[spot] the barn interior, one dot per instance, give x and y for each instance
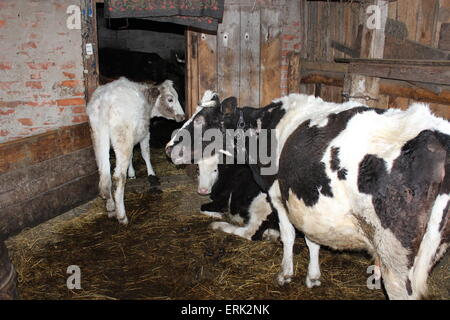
(51, 217)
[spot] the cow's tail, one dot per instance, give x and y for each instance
(101, 140)
(431, 248)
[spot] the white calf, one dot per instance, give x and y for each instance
(119, 114)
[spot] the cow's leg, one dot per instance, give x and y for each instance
(145, 152)
(313, 276)
(131, 172)
(100, 137)
(287, 235)
(123, 148)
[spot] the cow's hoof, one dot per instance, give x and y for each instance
(216, 215)
(110, 207)
(211, 207)
(123, 221)
(154, 181)
(311, 283)
(131, 177)
(111, 214)
(282, 279)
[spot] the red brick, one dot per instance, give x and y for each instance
(289, 37)
(80, 119)
(6, 85)
(5, 65)
(28, 45)
(6, 112)
(34, 84)
(10, 104)
(71, 102)
(69, 75)
(40, 66)
(26, 121)
(70, 83)
(35, 76)
(4, 133)
(69, 65)
(79, 109)
(2, 23)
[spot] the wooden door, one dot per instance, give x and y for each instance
(242, 59)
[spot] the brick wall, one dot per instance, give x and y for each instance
(41, 68)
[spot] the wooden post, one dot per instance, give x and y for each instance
(89, 37)
(294, 75)
(192, 83)
(362, 88)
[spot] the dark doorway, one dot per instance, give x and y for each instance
(144, 51)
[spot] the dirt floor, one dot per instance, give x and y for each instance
(168, 252)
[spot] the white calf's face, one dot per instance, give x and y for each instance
(208, 174)
(167, 104)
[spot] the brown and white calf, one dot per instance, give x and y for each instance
(349, 177)
(119, 114)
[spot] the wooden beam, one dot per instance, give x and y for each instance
(387, 87)
(395, 61)
(428, 74)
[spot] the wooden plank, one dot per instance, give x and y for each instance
(27, 151)
(89, 35)
(250, 59)
(26, 183)
(192, 74)
(444, 37)
(47, 205)
(270, 55)
(228, 41)
(427, 21)
(407, 49)
(413, 62)
(294, 75)
(324, 66)
(207, 53)
(428, 74)
(359, 87)
(387, 87)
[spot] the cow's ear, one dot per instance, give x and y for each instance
(228, 105)
(152, 93)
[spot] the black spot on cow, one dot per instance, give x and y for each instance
(408, 287)
(404, 197)
(342, 174)
(335, 164)
(301, 169)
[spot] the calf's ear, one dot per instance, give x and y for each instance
(152, 93)
(228, 105)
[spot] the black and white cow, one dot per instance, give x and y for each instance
(232, 189)
(350, 177)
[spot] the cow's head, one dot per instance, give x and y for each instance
(185, 145)
(208, 173)
(165, 101)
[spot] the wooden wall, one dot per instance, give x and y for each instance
(426, 22)
(244, 58)
(45, 175)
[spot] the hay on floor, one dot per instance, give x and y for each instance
(168, 252)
